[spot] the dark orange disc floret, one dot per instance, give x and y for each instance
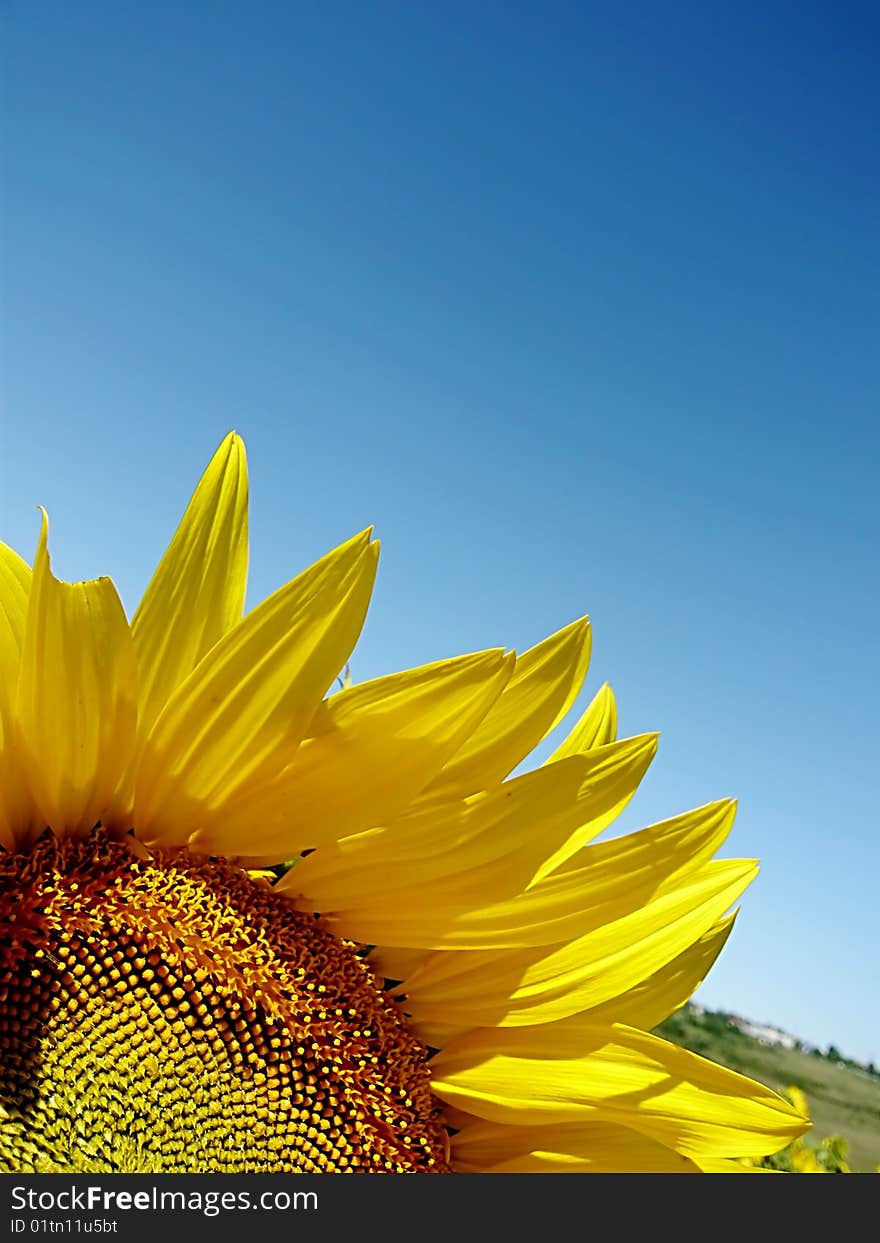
(171, 1014)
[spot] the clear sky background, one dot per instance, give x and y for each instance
(577, 303)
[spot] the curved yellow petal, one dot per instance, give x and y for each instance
(596, 728)
(573, 1148)
(542, 688)
(572, 1072)
(16, 810)
(76, 703)
(527, 987)
(453, 842)
(371, 749)
(655, 998)
(486, 847)
(618, 768)
(568, 860)
(196, 594)
(460, 911)
(236, 720)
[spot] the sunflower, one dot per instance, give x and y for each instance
(250, 926)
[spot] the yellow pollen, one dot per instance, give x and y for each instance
(174, 1015)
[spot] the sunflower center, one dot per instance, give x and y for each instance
(173, 1015)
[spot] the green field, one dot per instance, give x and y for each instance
(843, 1100)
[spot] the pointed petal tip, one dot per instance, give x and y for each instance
(231, 444)
(724, 804)
(579, 623)
(362, 544)
(745, 864)
(498, 658)
(42, 552)
(492, 658)
(230, 459)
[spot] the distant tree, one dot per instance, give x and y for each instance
(833, 1053)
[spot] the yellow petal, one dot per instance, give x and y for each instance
(542, 688)
(76, 697)
(596, 728)
(568, 860)
(522, 988)
(650, 1002)
(197, 592)
(16, 810)
(372, 749)
(616, 767)
(574, 1148)
(15, 586)
(236, 721)
(571, 1072)
(395, 964)
(459, 911)
(490, 845)
(459, 840)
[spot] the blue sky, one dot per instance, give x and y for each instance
(576, 303)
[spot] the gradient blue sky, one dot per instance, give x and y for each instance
(576, 303)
